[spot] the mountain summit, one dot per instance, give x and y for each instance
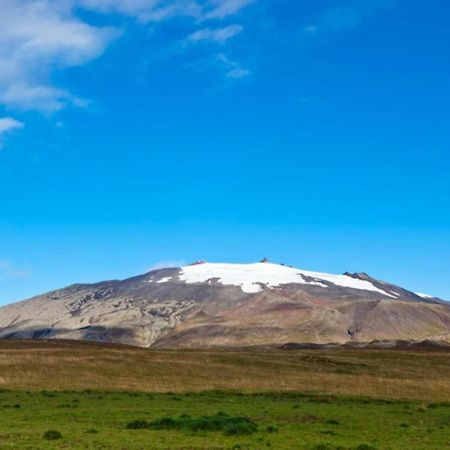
(218, 304)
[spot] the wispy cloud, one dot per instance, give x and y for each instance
(218, 35)
(145, 10)
(8, 270)
(7, 125)
(157, 10)
(167, 264)
(36, 38)
(219, 9)
(39, 37)
(233, 68)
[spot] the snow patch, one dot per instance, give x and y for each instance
(251, 277)
(420, 294)
(164, 280)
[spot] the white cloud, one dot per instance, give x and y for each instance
(238, 72)
(155, 10)
(144, 10)
(167, 264)
(9, 124)
(219, 9)
(42, 98)
(218, 35)
(38, 37)
(233, 68)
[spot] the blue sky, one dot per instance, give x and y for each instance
(142, 133)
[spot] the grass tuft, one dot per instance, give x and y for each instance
(332, 422)
(52, 435)
(137, 425)
(219, 422)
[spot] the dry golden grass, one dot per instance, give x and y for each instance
(57, 365)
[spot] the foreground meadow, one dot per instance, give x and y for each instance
(217, 420)
(64, 395)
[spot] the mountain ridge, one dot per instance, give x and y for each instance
(222, 304)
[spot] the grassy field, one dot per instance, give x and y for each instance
(62, 395)
(98, 420)
(373, 373)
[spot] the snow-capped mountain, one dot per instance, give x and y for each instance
(211, 304)
(252, 278)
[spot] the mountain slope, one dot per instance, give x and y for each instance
(206, 304)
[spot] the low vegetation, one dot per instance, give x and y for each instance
(52, 435)
(85, 396)
(52, 365)
(219, 420)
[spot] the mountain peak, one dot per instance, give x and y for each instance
(197, 263)
(223, 304)
(252, 278)
(360, 276)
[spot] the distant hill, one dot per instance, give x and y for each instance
(231, 305)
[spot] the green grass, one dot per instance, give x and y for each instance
(218, 420)
(74, 395)
(52, 435)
